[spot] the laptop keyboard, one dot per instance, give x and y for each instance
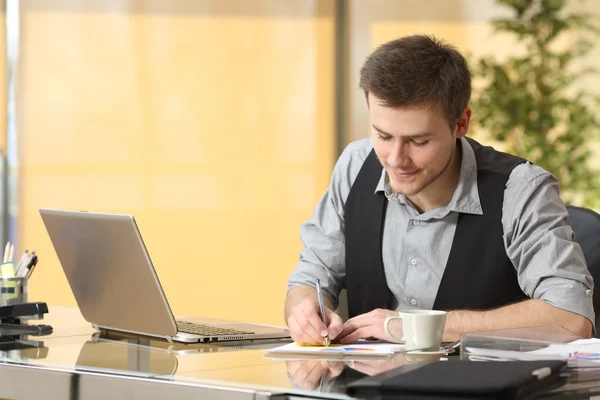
(207, 330)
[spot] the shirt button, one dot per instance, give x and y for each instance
(415, 222)
(588, 292)
(414, 302)
(414, 261)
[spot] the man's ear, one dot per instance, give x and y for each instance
(462, 125)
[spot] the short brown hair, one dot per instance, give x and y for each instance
(418, 70)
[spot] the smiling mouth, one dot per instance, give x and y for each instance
(404, 175)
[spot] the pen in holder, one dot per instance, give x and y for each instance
(13, 290)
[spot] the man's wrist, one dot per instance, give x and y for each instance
(456, 321)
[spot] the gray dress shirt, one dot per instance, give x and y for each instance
(416, 247)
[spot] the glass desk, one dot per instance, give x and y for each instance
(77, 362)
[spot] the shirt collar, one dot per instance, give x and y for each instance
(466, 195)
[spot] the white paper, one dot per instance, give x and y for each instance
(362, 348)
(583, 353)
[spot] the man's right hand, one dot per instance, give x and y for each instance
(306, 326)
(307, 374)
(373, 367)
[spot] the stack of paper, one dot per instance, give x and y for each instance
(584, 353)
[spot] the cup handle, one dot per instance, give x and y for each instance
(386, 327)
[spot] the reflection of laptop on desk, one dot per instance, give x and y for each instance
(116, 357)
(115, 284)
(186, 349)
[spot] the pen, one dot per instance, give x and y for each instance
(22, 264)
(322, 381)
(6, 250)
(322, 309)
(32, 264)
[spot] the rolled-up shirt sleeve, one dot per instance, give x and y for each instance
(549, 263)
(323, 255)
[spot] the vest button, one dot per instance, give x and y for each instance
(385, 304)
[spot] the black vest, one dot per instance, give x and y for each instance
(478, 274)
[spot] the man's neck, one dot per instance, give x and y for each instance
(440, 191)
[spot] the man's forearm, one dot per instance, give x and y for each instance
(299, 293)
(519, 315)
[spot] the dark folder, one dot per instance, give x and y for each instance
(463, 380)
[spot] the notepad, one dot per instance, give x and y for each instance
(363, 348)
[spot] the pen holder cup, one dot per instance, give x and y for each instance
(13, 290)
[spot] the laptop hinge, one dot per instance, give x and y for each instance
(106, 329)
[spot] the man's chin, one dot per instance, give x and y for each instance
(407, 189)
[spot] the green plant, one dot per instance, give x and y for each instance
(531, 102)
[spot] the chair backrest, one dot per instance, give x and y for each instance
(586, 225)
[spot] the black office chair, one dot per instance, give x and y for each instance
(586, 225)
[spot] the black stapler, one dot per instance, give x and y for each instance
(10, 319)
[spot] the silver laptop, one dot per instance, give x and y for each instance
(115, 284)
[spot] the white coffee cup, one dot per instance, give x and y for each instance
(421, 329)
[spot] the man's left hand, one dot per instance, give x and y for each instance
(369, 325)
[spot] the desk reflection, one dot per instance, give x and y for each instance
(20, 348)
(333, 375)
(130, 354)
(125, 358)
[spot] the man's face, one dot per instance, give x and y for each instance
(415, 145)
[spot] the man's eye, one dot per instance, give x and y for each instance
(381, 137)
(420, 144)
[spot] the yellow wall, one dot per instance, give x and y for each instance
(211, 121)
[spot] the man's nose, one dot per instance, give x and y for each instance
(399, 156)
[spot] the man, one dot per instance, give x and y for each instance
(419, 216)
